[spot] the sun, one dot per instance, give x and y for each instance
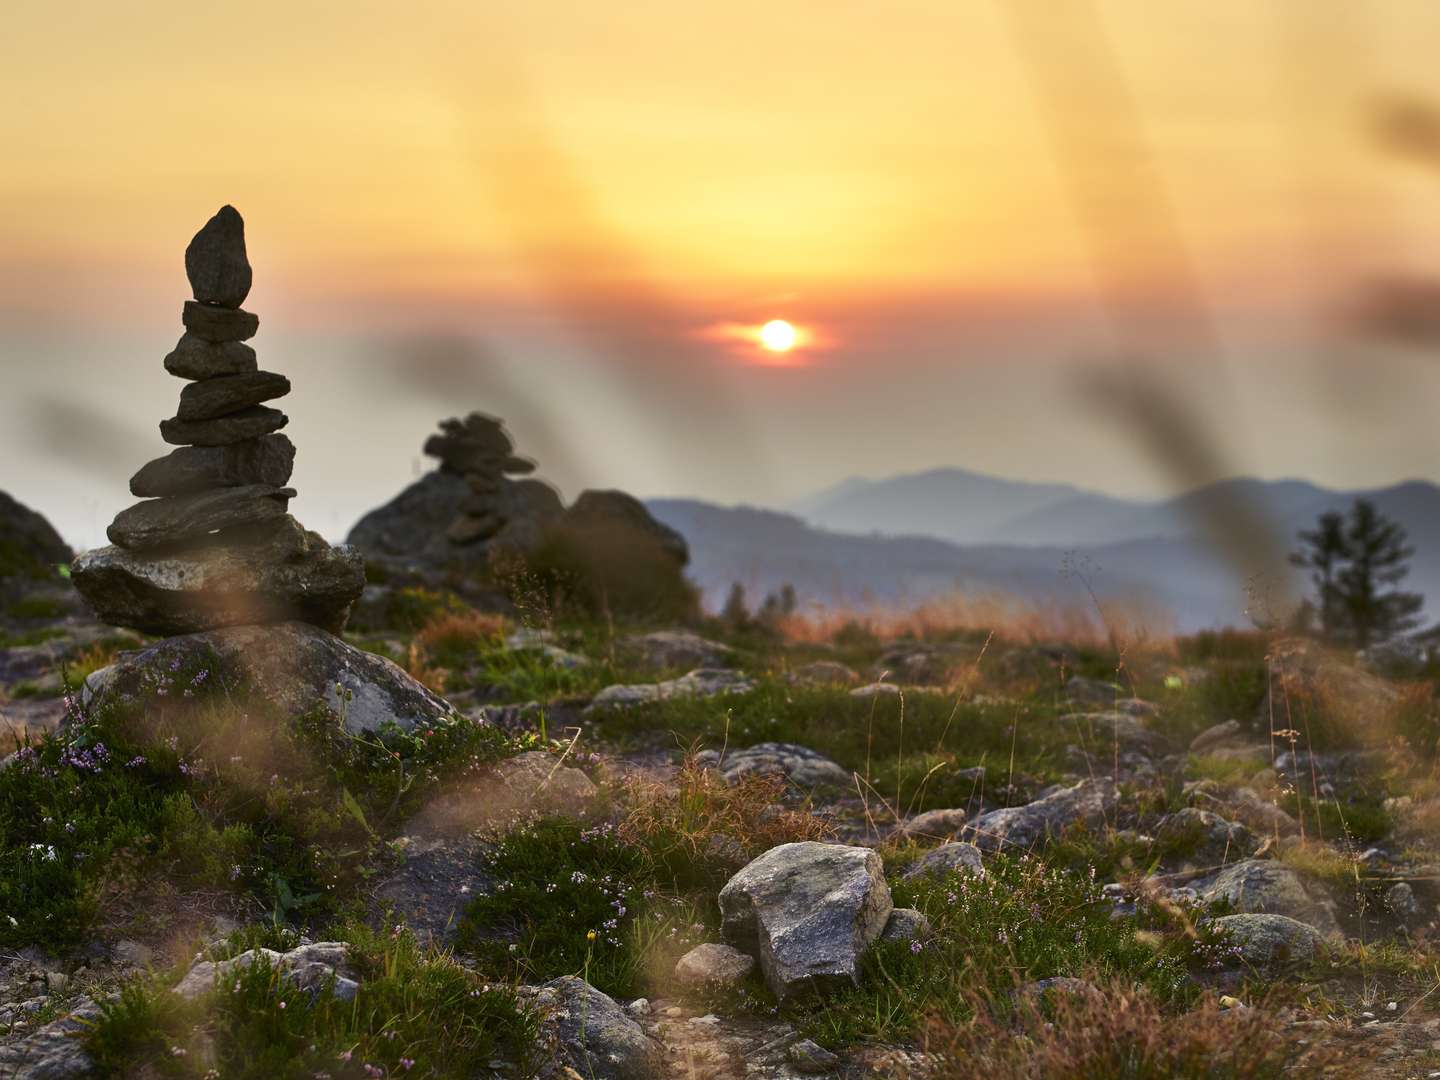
(777, 335)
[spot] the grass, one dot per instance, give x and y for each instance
(908, 752)
(416, 1011)
(195, 788)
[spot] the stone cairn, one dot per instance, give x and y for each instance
(211, 544)
(478, 449)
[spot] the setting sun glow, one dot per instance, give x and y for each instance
(777, 335)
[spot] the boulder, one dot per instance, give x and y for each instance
(312, 968)
(947, 857)
(267, 460)
(823, 673)
(293, 667)
(287, 574)
(933, 825)
(705, 682)
(671, 650)
(215, 260)
(218, 325)
(906, 924)
(55, 1051)
(1271, 941)
(1020, 828)
(807, 911)
(800, 765)
(595, 1035)
(181, 519)
(29, 546)
(248, 423)
(195, 358)
(713, 967)
(609, 510)
(1260, 886)
(209, 398)
(1204, 835)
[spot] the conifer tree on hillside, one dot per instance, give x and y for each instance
(1356, 564)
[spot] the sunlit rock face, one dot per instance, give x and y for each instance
(211, 544)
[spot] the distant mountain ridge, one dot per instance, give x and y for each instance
(1017, 538)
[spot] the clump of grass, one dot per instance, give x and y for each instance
(698, 830)
(1025, 919)
(1128, 1033)
(416, 1010)
(197, 787)
(572, 900)
(452, 638)
(412, 607)
(35, 607)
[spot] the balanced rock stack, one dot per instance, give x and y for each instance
(478, 449)
(211, 544)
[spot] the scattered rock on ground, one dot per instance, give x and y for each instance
(803, 767)
(703, 682)
(595, 1035)
(807, 911)
(670, 650)
(713, 967)
(1269, 941)
(1020, 828)
(1261, 886)
(941, 860)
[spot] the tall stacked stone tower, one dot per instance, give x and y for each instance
(211, 543)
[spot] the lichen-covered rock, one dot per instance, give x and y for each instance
(906, 924)
(944, 824)
(1020, 828)
(941, 860)
(807, 911)
(803, 767)
(55, 1051)
(288, 573)
(293, 667)
(1270, 941)
(595, 1035)
(670, 650)
(1204, 836)
(1261, 886)
(314, 968)
(704, 682)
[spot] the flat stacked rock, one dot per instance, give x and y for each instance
(211, 544)
(478, 449)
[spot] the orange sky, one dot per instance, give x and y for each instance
(583, 188)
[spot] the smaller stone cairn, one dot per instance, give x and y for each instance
(211, 544)
(478, 449)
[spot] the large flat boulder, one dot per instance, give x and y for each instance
(287, 573)
(807, 911)
(293, 666)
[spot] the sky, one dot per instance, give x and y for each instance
(1117, 244)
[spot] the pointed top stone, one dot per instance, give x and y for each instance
(215, 261)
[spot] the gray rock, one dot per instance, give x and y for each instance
(1094, 691)
(55, 1051)
(872, 691)
(267, 460)
(437, 880)
(210, 398)
(810, 1058)
(1019, 828)
(215, 260)
(933, 825)
(945, 858)
(542, 782)
(1245, 805)
(713, 967)
(236, 427)
(286, 574)
(1218, 735)
(218, 325)
(30, 548)
(1259, 886)
(1204, 835)
(310, 967)
(1271, 941)
(181, 519)
(800, 765)
(596, 1036)
(1404, 905)
(292, 667)
(195, 358)
(824, 673)
(906, 924)
(618, 513)
(705, 682)
(669, 650)
(807, 911)
(1103, 732)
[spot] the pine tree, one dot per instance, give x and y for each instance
(1323, 554)
(1379, 560)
